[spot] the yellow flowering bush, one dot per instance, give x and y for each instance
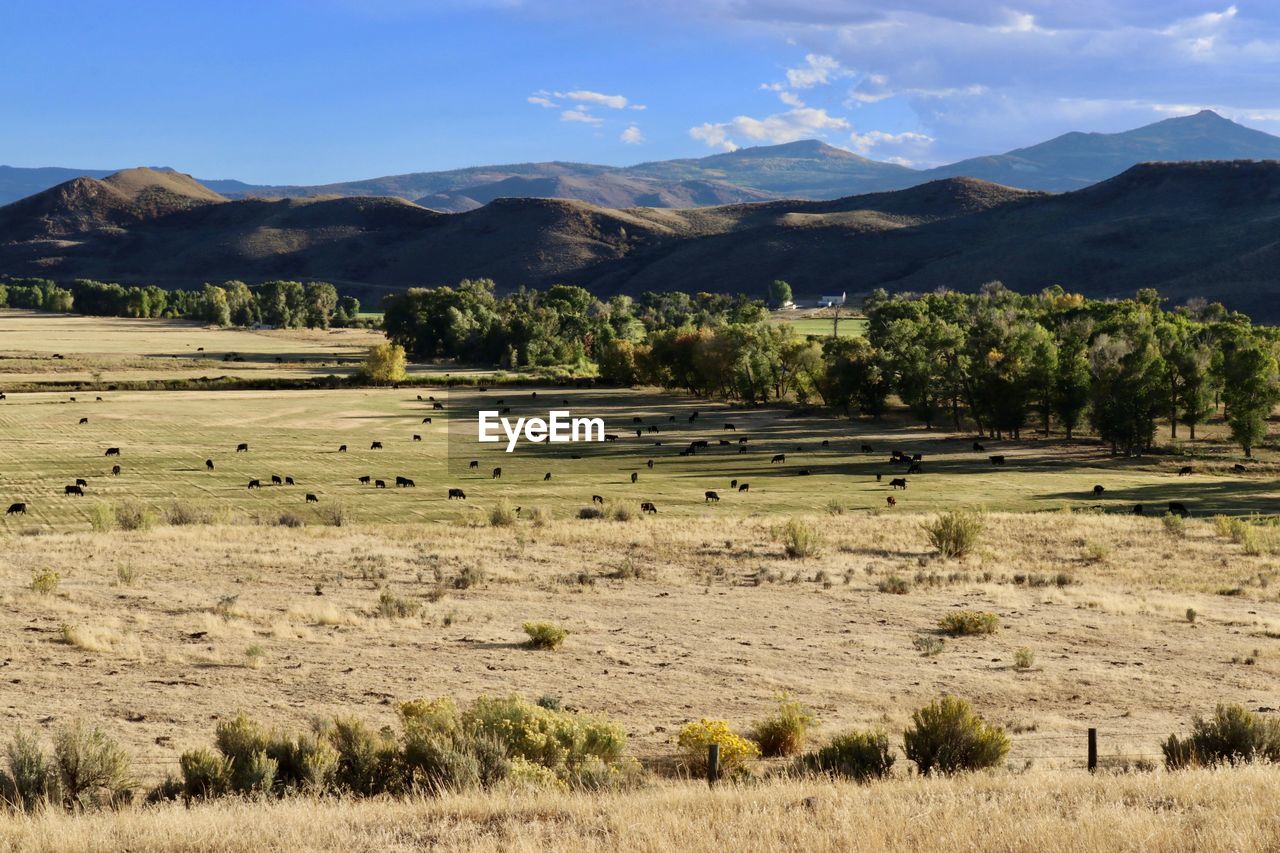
(734, 749)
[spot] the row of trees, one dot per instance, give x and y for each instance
(283, 304)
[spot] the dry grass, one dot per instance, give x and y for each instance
(1203, 810)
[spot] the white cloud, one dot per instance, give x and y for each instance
(539, 100)
(791, 99)
(582, 116)
(584, 96)
(632, 136)
(864, 142)
(817, 70)
(801, 123)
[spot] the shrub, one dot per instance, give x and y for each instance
(538, 516)
(894, 585)
(368, 760)
(30, 780)
(205, 774)
(858, 755)
(623, 511)
(947, 736)
(102, 517)
(179, 514)
(254, 656)
(1231, 736)
(550, 701)
(503, 514)
(306, 762)
(927, 645)
(799, 539)
(955, 533)
(290, 519)
(964, 623)
(126, 575)
(92, 768)
(590, 512)
(132, 515)
(1024, 658)
(1191, 615)
(45, 582)
(393, 606)
(783, 732)
(835, 507)
(1173, 524)
(545, 635)
(694, 739)
(334, 514)
(469, 576)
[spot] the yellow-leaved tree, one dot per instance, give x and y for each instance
(384, 363)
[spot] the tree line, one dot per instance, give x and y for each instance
(995, 361)
(282, 304)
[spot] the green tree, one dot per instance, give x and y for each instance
(1250, 389)
(779, 293)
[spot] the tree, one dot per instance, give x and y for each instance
(779, 293)
(384, 364)
(1126, 392)
(215, 308)
(321, 302)
(1250, 389)
(1071, 383)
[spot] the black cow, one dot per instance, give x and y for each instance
(653, 429)
(17, 509)
(342, 448)
(639, 433)
(1137, 509)
(312, 499)
(898, 483)
(637, 420)
(878, 477)
(634, 476)
(115, 470)
(84, 420)
(255, 484)
(891, 501)
(73, 490)
(1097, 491)
(803, 472)
(745, 487)
(699, 443)
(437, 405)
(82, 482)
(417, 438)
(781, 457)
(364, 481)
(377, 445)
(650, 464)
(997, 460)
(1176, 508)
(866, 448)
(915, 468)
(1185, 471)
(608, 436)
(288, 481)
(647, 506)
(404, 482)
(724, 443)
(733, 484)
(112, 451)
(977, 447)
(426, 420)
(730, 427)
(710, 497)
(208, 464)
(496, 475)
(242, 448)
(276, 481)
(596, 499)
(379, 484)
(826, 443)
(475, 463)
(742, 441)
(1238, 468)
(546, 476)
(457, 493)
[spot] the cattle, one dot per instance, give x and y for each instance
(3, 396)
(898, 483)
(402, 481)
(437, 405)
(379, 484)
(242, 448)
(639, 433)
(866, 448)
(596, 499)
(826, 443)
(879, 477)
(742, 441)
(546, 476)
(208, 464)
(84, 420)
(799, 449)
(1176, 508)
(730, 428)
(1098, 490)
(745, 487)
(342, 448)
(112, 451)
(496, 475)
(98, 399)
(637, 420)
(312, 499)
(288, 481)
(781, 457)
(1238, 468)
(917, 457)
(634, 476)
(255, 484)
(650, 464)
(17, 509)
(433, 399)
(73, 490)
(364, 481)
(742, 450)
(671, 419)
(1137, 509)
(895, 455)
(426, 420)
(997, 460)
(276, 480)
(608, 436)
(419, 398)
(475, 463)
(699, 443)
(82, 482)
(457, 494)
(977, 447)
(115, 470)
(915, 468)
(891, 501)
(377, 445)
(417, 438)
(694, 417)
(733, 484)
(73, 399)
(803, 472)
(647, 506)
(506, 410)
(724, 443)
(653, 429)
(710, 497)
(1185, 471)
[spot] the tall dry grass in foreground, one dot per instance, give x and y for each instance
(1202, 810)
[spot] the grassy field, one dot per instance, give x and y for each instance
(820, 324)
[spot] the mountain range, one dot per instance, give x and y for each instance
(798, 170)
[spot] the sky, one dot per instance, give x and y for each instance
(316, 91)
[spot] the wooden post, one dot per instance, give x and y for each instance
(713, 763)
(1093, 750)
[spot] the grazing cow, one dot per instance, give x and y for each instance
(799, 449)
(426, 420)
(3, 396)
(84, 420)
(242, 448)
(1185, 471)
(977, 447)
(671, 419)
(745, 487)
(650, 464)
(73, 490)
(112, 451)
(878, 477)
(419, 398)
(917, 457)
(364, 481)
(866, 448)
(781, 457)
(546, 476)
(208, 464)
(115, 470)
(1238, 468)
(255, 484)
(742, 450)
(1137, 509)
(379, 484)
(377, 445)
(409, 484)
(82, 482)
(437, 405)
(458, 494)
(73, 399)
(699, 443)
(653, 429)
(496, 475)
(634, 476)
(98, 399)
(710, 497)
(639, 433)
(608, 436)
(803, 472)
(730, 428)
(742, 441)
(637, 420)
(575, 456)
(17, 509)
(276, 481)
(1176, 508)
(898, 483)
(433, 399)
(997, 460)
(915, 468)
(288, 481)
(891, 501)
(342, 448)
(826, 443)
(399, 482)
(475, 463)
(724, 443)
(596, 499)
(733, 484)
(312, 499)
(647, 506)
(1097, 491)
(417, 437)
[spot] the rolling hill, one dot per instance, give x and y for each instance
(1190, 229)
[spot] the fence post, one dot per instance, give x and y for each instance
(713, 763)
(1093, 750)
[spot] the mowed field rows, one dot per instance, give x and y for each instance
(165, 437)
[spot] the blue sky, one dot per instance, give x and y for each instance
(287, 91)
